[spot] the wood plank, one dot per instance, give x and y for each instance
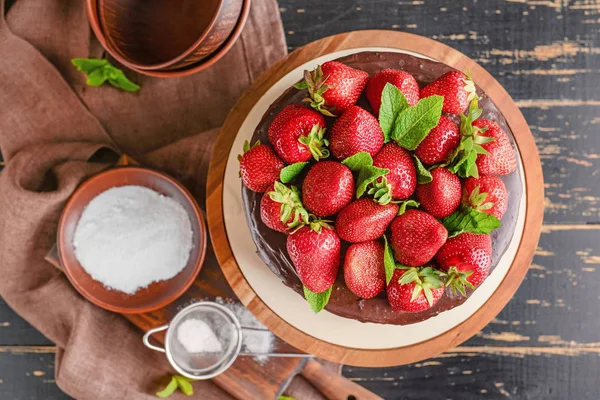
(14, 330)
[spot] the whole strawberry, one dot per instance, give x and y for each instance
(455, 87)
(487, 194)
(401, 79)
(440, 197)
(354, 131)
(416, 237)
(327, 188)
(315, 252)
(333, 87)
(297, 134)
(501, 158)
(466, 258)
(439, 143)
(402, 176)
(364, 272)
(415, 289)
(259, 166)
(364, 220)
(281, 208)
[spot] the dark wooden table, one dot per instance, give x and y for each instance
(546, 343)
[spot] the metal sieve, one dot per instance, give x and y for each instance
(205, 365)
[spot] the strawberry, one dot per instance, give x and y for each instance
(297, 134)
(364, 220)
(439, 143)
(333, 87)
(466, 258)
(416, 237)
(402, 176)
(487, 194)
(415, 289)
(315, 252)
(327, 188)
(281, 208)
(456, 88)
(364, 272)
(440, 197)
(501, 158)
(259, 166)
(401, 79)
(354, 131)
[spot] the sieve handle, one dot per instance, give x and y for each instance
(151, 332)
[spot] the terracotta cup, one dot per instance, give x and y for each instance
(157, 294)
(166, 35)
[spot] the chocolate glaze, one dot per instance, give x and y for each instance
(271, 245)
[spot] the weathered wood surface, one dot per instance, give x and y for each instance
(544, 344)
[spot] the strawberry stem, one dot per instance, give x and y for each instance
(291, 203)
(425, 278)
(457, 281)
(381, 191)
(314, 82)
(316, 142)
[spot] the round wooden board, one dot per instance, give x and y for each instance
(533, 216)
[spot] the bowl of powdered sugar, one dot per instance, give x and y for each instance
(131, 239)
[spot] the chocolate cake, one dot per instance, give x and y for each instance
(271, 245)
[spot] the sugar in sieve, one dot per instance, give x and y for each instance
(220, 337)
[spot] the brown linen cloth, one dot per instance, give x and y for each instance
(54, 130)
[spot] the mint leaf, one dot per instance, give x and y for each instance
(393, 103)
(290, 172)
(169, 389)
(99, 71)
(405, 204)
(358, 161)
(317, 301)
(467, 219)
(414, 123)
(423, 174)
(388, 261)
(285, 398)
(368, 175)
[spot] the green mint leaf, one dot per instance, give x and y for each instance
(184, 385)
(405, 204)
(423, 174)
(290, 172)
(388, 261)
(358, 161)
(285, 398)
(368, 175)
(414, 123)
(467, 219)
(317, 301)
(169, 389)
(393, 103)
(99, 71)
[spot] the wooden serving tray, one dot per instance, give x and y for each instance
(533, 189)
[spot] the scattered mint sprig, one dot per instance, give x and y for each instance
(290, 172)
(99, 71)
(393, 103)
(358, 161)
(317, 301)
(467, 219)
(177, 381)
(414, 123)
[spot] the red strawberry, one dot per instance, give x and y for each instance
(315, 252)
(364, 220)
(402, 175)
(401, 79)
(364, 272)
(281, 208)
(501, 158)
(297, 133)
(414, 289)
(327, 188)
(354, 131)
(333, 87)
(259, 166)
(487, 194)
(466, 258)
(416, 237)
(456, 89)
(440, 197)
(439, 143)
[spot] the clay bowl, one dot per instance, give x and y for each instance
(165, 35)
(157, 294)
(92, 12)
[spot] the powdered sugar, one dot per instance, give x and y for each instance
(196, 336)
(131, 236)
